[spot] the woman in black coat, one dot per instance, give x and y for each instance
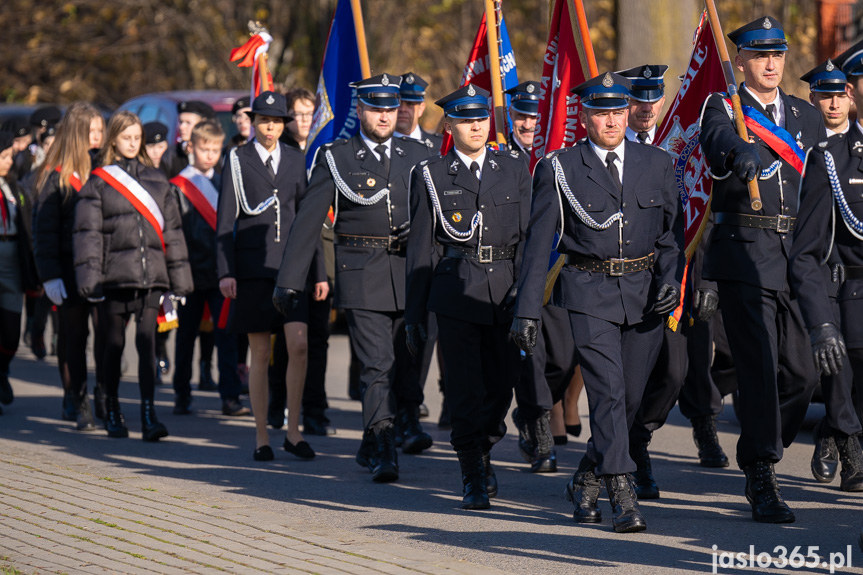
(129, 250)
(66, 169)
(17, 272)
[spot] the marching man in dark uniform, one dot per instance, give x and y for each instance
(748, 256)
(827, 93)
(474, 202)
(621, 231)
(412, 93)
(826, 258)
(365, 179)
(523, 110)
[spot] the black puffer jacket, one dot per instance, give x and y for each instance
(115, 247)
(53, 224)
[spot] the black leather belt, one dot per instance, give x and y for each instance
(13, 238)
(486, 255)
(854, 272)
(376, 242)
(613, 267)
(780, 224)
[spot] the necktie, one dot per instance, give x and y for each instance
(270, 167)
(612, 170)
(474, 168)
(642, 137)
(771, 112)
(385, 160)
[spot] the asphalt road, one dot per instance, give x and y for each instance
(529, 528)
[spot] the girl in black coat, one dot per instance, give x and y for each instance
(66, 169)
(129, 250)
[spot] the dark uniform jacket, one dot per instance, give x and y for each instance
(652, 219)
(53, 226)
(513, 145)
(200, 240)
(23, 221)
(116, 247)
(755, 256)
(466, 289)
(432, 141)
(246, 246)
(819, 216)
(369, 278)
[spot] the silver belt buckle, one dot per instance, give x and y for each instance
(783, 224)
(484, 255)
(616, 267)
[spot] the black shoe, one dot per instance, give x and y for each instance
(851, 456)
(414, 438)
(762, 492)
(205, 382)
(526, 440)
(560, 440)
(83, 416)
(233, 408)
(443, 421)
(99, 401)
(317, 425)
(6, 394)
(151, 428)
(626, 517)
(115, 423)
(38, 347)
(70, 406)
(275, 415)
(573, 430)
(490, 477)
(302, 450)
(645, 485)
(424, 411)
(583, 491)
(475, 492)
(182, 405)
(264, 453)
(825, 459)
(386, 466)
(544, 458)
(710, 453)
(366, 456)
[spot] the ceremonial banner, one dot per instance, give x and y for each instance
(477, 71)
(248, 56)
(335, 101)
(568, 62)
(678, 135)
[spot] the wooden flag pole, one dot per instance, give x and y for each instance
(264, 73)
(360, 29)
(584, 32)
(494, 64)
(728, 72)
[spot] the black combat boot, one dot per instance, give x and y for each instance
(490, 477)
(205, 381)
(583, 491)
(710, 453)
(645, 485)
(70, 406)
(366, 453)
(399, 427)
(386, 465)
(115, 423)
(851, 476)
(526, 439)
(83, 415)
(151, 428)
(544, 458)
(414, 438)
(99, 401)
(626, 517)
(762, 492)
(473, 479)
(825, 459)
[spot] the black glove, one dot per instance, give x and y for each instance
(747, 163)
(704, 303)
(523, 332)
(401, 234)
(509, 299)
(667, 299)
(286, 300)
(837, 273)
(416, 335)
(828, 348)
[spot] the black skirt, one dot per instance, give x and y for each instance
(253, 310)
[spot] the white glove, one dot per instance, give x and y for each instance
(176, 300)
(95, 299)
(55, 290)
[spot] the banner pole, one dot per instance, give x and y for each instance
(360, 29)
(494, 64)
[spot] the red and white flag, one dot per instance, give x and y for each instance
(678, 135)
(247, 56)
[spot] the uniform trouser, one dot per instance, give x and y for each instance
(189, 317)
(775, 371)
(480, 370)
(547, 372)
(615, 361)
(855, 356)
(426, 353)
(837, 392)
(722, 371)
(73, 320)
(699, 396)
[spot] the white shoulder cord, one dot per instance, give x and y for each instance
(437, 213)
(854, 225)
(242, 202)
(576, 206)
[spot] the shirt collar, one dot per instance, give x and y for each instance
(264, 154)
(777, 101)
(212, 171)
(371, 144)
(632, 135)
(467, 161)
(602, 152)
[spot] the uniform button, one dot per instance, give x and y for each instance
(455, 203)
(625, 222)
(485, 228)
(624, 204)
(588, 205)
(507, 197)
(482, 206)
(651, 201)
(785, 182)
(628, 242)
(491, 269)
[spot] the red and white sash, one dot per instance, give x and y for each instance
(74, 179)
(140, 198)
(200, 191)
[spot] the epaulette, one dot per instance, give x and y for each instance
(424, 163)
(339, 142)
(554, 153)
